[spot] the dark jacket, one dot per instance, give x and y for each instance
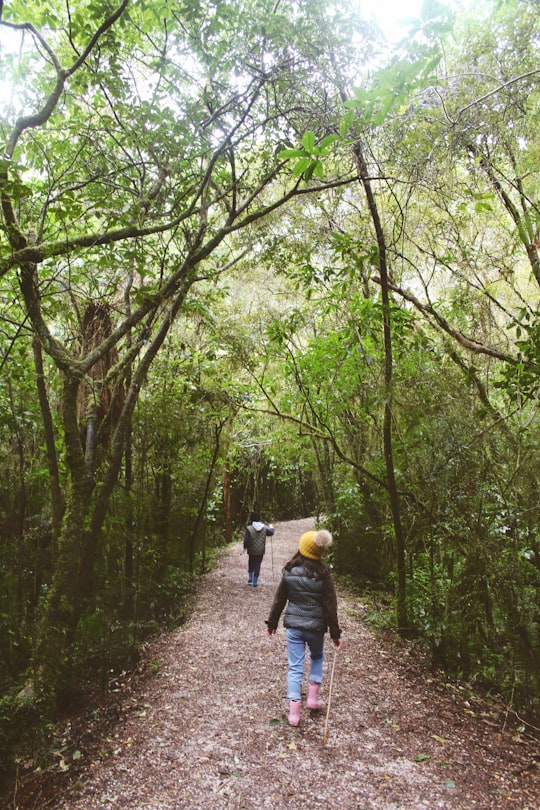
(311, 600)
(255, 538)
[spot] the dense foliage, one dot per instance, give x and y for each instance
(241, 266)
(445, 219)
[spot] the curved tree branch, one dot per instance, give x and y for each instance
(17, 240)
(62, 74)
(467, 343)
(496, 90)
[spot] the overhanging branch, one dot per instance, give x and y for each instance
(431, 313)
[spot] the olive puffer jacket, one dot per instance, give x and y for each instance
(311, 602)
(255, 538)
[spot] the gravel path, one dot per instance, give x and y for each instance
(206, 727)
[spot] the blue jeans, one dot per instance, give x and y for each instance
(296, 653)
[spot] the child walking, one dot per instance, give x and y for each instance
(308, 590)
(255, 544)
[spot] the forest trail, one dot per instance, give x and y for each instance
(206, 729)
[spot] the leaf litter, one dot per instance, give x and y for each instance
(201, 723)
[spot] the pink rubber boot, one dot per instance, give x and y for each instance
(294, 712)
(313, 701)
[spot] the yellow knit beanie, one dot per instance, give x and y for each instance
(313, 544)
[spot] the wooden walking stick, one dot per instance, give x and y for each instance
(325, 733)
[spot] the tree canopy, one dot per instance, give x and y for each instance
(249, 255)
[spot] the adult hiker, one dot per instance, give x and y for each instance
(308, 590)
(255, 544)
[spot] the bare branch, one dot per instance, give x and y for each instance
(496, 90)
(467, 343)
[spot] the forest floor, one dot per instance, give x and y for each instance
(201, 724)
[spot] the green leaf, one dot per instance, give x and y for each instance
(301, 166)
(318, 170)
(287, 154)
(482, 206)
(385, 109)
(347, 122)
(308, 174)
(308, 141)
(329, 140)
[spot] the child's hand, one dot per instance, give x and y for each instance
(270, 632)
(338, 644)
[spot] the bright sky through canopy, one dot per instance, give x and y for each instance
(393, 16)
(390, 14)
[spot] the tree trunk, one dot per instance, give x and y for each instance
(59, 618)
(401, 592)
(57, 503)
(204, 501)
(129, 594)
(86, 511)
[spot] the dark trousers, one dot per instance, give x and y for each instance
(254, 564)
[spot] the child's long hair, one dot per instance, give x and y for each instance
(314, 568)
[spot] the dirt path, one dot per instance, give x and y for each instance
(207, 728)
